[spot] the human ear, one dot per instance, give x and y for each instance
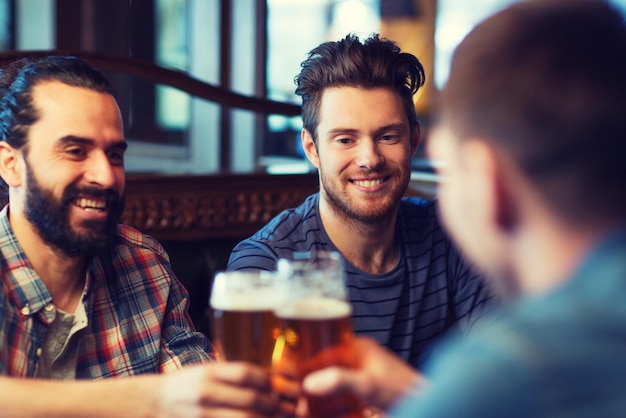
(309, 147)
(506, 216)
(10, 165)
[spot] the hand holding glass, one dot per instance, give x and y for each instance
(315, 328)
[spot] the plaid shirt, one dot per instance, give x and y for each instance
(136, 310)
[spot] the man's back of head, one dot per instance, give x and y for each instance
(544, 81)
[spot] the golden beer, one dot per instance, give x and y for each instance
(316, 333)
(244, 335)
(243, 324)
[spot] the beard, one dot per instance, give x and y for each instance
(50, 217)
(348, 210)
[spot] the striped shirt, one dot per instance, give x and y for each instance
(136, 311)
(429, 292)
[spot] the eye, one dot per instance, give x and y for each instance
(390, 138)
(76, 152)
(116, 157)
(344, 142)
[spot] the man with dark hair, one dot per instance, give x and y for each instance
(531, 135)
(82, 297)
(406, 283)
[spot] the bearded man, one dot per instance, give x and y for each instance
(93, 321)
(406, 283)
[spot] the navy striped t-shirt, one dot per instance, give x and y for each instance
(430, 291)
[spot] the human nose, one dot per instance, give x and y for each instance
(100, 171)
(369, 155)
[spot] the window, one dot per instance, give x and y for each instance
(253, 47)
(456, 18)
(6, 32)
(173, 107)
(294, 28)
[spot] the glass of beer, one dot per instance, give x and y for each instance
(315, 328)
(243, 324)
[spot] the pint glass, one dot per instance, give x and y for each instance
(315, 328)
(243, 324)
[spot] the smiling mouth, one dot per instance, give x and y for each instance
(91, 205)
(370, 182)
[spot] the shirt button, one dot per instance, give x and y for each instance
(49, 307)
(25, 310)
(39, 351)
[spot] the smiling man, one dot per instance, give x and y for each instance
(406, 283)
(82, 297)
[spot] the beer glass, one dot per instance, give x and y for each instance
(315, 328)
(243, 324)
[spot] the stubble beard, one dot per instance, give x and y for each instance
(343, 206)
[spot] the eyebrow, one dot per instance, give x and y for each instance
(71, 139)
(342, 131)
(400, 126)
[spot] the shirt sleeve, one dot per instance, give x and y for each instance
(139, 321)
(252, 254)
(161, 302)
(181, 343)
(481, 380)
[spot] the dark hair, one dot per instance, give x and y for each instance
(545, 82)
(374, 63)
(17, 80)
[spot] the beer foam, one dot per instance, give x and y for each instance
(315, 308)
(247, 290)
(252, 300)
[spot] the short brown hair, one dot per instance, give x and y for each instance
(545, 81)
(375, 62)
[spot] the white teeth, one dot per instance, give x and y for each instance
(90, 204)
(368, 183)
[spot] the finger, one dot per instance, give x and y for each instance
(233, 395)
(302, 408)
(241, 374)
(286, 386)
(335, 380)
